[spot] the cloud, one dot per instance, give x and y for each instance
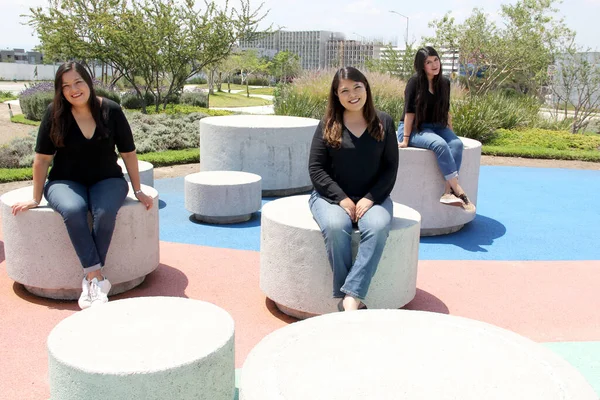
(362, 7)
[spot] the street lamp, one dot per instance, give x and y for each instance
(402, 15)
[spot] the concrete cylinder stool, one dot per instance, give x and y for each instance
(222, 197)
(274, 147)
(146, 172)
(420, 184)
(401, 354)
(295, 272)
(40, 255)
(144, 348)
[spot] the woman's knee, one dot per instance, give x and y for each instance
(456, 145)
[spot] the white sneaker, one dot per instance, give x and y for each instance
(85, 301)
(99, 291)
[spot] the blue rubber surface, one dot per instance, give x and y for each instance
(523, 214)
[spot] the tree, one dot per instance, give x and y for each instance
(397, 63)
(514, 55)
(250, 64)
(163, 42)
(576, 84)
(285, 66)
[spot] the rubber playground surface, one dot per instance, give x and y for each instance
(529, 262)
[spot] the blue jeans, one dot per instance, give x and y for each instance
(73, 200)
(336, 226)
(448, 148)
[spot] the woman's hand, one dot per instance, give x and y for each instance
(350, 208)
(402, 145)
(24, 206)
(362, 207)
(144, 199)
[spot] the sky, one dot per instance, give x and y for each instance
(357, 19)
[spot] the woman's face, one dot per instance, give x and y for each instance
(352, 94)
(432, 66)
(74, 88)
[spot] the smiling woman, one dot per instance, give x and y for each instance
(78, 135)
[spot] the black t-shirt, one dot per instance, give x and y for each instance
(361, 167)
(82, 160)
(410, 99)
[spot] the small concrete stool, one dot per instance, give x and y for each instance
(295, 272)
(144, 348)
(40, 255)
(401, 354)
(222, 197)
(275, 147)
(146, 172)
(420, 184)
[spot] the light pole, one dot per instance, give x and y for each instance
(402, 15)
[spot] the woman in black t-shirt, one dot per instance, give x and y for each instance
(353, 164)
(426, 123)
(78, 135)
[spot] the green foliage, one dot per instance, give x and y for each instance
(285, 66)
(109, 94)
(163, 42)
(172, 157)
(34, 106)
(195, 98)
(6, 95)
(196, 81)
(223, 99)
(20, 119)
(478, 117)
(175, 109)
(15, 174)
(132, 101)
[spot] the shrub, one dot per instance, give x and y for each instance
(196, 98)
(197, 81)
(132, 101)
(18, 152)
(546, 139)
(159, 132)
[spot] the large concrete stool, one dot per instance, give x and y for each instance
(295, 272)
(222, 197)
(40, 255)
(146, 172)
(144, 348)
(401, 354)
(420, 184)
(274, 147)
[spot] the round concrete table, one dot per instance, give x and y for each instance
(420, 184)
(295, 272)
(274, 147)
(40, 255)
(146, 172)
(222, 197)
(400, 354)
(144, 348)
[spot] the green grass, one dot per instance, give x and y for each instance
(15, 174)
(235, 100)
(171, 157)
(546, 144)
(6, 95)
(20, 119)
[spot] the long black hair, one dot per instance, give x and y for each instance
(440, 88)
(61, 108)
(334, 115)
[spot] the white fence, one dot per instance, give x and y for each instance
(30, 72)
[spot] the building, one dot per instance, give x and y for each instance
(20, 56)
(310, 46)
(343, 53)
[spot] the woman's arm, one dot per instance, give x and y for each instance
(131, 163)
(41, 163)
